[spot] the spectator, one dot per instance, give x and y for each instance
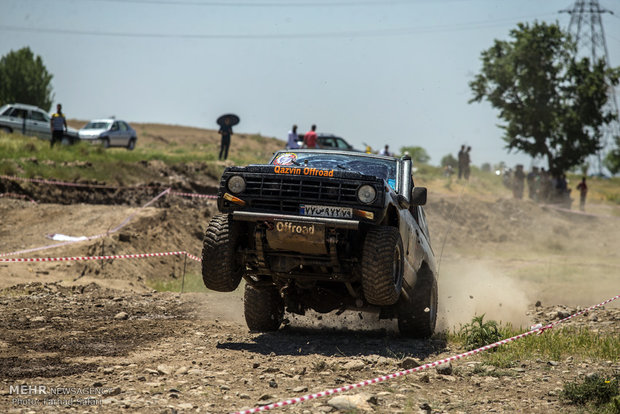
(292, 138)
(386, 151)
(58, 125)
(583, 192)
(310, 139)
(461, 159)
(518, 182)
(226, 131)
(466, 162)
(532, 181)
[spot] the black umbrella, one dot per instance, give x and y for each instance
(232, 120)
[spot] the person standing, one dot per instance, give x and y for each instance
(466, 162)
(461, 159)
(58, 126)
(386, 151)
(310, 139)
(583, 192)
(531, 182)
(292, 138)
(225, 131)
(518, 182)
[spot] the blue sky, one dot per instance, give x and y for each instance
(379, 72)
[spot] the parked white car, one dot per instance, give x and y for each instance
(110, 133)
(30, 120)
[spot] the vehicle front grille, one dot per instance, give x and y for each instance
(285, 193)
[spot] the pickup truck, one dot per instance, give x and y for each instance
(324, 230)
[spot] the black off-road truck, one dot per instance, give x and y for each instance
(324, 230)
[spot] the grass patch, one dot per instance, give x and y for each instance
(554, 344)
(33, 158)
(193, 283)
(594, 390)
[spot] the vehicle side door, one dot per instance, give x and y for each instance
(114, 134)
(124, 134)
(17, 120)
(38, 124)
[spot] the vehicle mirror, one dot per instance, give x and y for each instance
(418, 196)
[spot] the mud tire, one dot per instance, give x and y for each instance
(382, 266)
(263, 308)
(221, 270)
(417, 317)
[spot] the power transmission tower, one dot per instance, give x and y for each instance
(586, 28)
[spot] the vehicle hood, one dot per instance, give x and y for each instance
(300, 171)
(91, 133)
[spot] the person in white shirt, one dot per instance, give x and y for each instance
(386, 151)
(292, 138)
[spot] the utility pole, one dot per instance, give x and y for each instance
(586, 28)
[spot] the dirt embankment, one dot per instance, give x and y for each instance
(98, 325)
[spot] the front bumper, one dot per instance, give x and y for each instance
(330, 222)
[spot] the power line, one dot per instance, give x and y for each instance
(266, 36)
(284, 4)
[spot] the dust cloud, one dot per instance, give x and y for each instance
(468, 289)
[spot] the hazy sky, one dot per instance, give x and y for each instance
(377, 72)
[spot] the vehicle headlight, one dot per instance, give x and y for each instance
(367, 194)
(236, 184)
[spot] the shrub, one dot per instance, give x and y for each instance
(479, 333)
(594, 389)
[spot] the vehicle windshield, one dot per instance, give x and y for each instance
(98, 125)
(385, 169)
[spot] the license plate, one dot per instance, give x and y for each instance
(325, 211)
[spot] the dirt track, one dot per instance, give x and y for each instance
(98, 326)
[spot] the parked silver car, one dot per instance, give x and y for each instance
(30, 120)
(110, 133)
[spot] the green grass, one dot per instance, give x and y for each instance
(554, 344)
(33, 158)
(193, 283)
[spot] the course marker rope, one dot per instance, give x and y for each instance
(110, 187)
(97, 236)
(117, 256)
(192, 195)
(13, 195)
(538, 329)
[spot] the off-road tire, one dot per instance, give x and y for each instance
(417, 317)
(131, 144)
(221, 269)
(106, 143)
(382, 266)
(263, 308)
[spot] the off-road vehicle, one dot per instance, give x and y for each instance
(324, 230)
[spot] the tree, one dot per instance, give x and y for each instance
(24, 79)
(612, 160)
(449, 160)
(551, 104)
(417, 154)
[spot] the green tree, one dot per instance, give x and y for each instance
(612, 160)
(24, 79)
(449, 160)
(551, 104)
(417, 154)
